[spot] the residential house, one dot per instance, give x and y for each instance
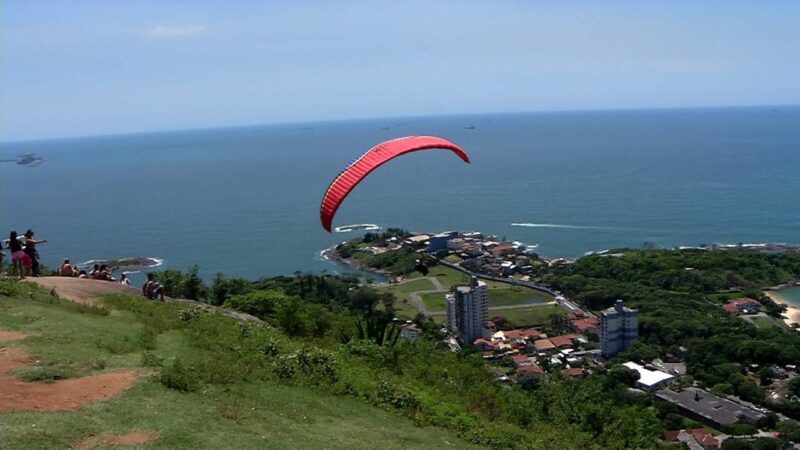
(743, 305)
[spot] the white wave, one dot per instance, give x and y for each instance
(357, 227)
(571, 227)
(156, 262)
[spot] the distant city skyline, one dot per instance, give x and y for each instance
(99, 68)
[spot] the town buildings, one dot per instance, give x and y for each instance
(649, 380)
(619, 328)
(703, 406)
(467, 311)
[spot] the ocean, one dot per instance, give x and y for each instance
(245, 201)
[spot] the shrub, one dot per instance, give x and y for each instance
(150, 359)
(179, 377)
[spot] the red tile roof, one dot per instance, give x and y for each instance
(531, 333)
(533, 369)
(574, 372)
(563, 341)
(513, 334)
(703, 438)
(730, 308)
(498, 250)
(521, 360)
(583, 325)
(671, 436)
(544, 344)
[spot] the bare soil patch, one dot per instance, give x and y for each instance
(11, 336)
(63, 395)
(133, 438)
(80, 290)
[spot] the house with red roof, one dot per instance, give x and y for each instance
(544, 345)
(590, 325)
(532, 334)
(743, 305)
(530, 370)
(483, 345)
(697, 438)
(574, 372)
(498, 250)
(521, 360)
(565, 341)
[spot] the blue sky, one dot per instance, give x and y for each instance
(83, 68)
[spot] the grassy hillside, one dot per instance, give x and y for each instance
(247, 409)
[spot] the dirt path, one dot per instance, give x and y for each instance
(82, 290)
(65, 395)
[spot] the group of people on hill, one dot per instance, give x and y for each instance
(151, 289)
(98, 272)
(23, 252)
(25, 262)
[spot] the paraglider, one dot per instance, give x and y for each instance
(371, 160)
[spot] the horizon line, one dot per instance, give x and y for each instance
(361, 118)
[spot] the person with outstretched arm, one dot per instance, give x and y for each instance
(33, 254)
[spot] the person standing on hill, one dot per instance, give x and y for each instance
(17, 255)
(30, 250)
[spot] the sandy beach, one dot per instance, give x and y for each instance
(792, 314)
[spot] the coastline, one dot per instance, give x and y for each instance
(330, 254)
(792, 314)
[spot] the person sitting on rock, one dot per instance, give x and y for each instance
(105, 274)
(66, 269)
(152, 289)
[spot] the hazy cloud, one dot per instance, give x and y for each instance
(175, 30)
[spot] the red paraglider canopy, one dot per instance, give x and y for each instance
(371, 160)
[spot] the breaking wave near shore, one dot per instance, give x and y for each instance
(570, 227)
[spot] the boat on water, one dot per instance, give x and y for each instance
(357, 227)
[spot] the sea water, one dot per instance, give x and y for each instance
(245, 201)
(789, 295)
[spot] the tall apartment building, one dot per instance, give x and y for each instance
(619, 328)
(467, 311)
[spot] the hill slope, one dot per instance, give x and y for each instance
(69, 344)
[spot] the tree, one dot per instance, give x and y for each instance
(765, 375)
(260, 303)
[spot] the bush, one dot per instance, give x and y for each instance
(257, 303)
(45, 373)
(179, 377)
(741, 429)
(150, 359)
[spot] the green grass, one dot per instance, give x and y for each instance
(434, 301)
(517, 296)
(401, 291)
(447, 276)
(132, 333)
(534, 315)
(252, 415)
(766, 322)
(405, 309)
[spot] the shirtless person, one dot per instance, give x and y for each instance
(152, 289)
(66, 269)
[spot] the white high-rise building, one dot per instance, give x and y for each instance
(467, 311)
(619, 328)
